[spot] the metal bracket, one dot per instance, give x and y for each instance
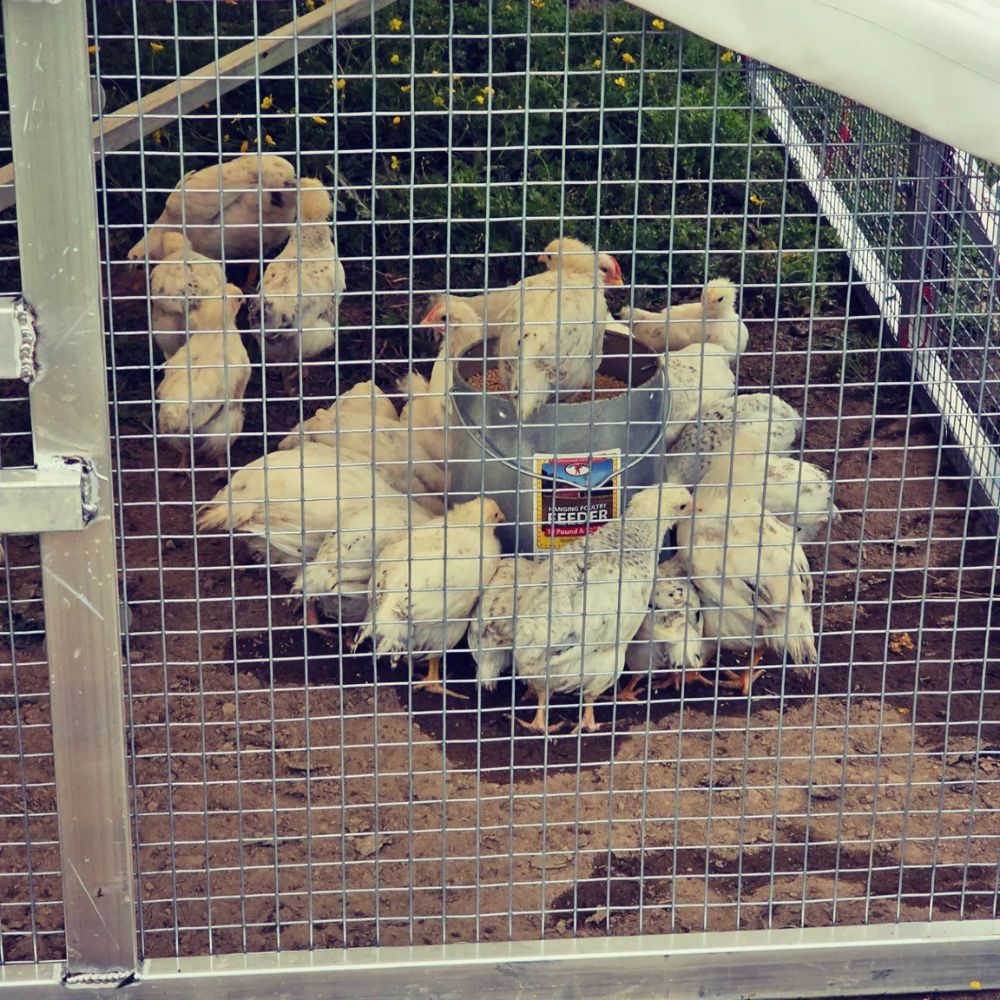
(18, 336)
(59, 494)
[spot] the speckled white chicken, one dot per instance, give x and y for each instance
(576, 619)
(201, 393)
(236, 210)
(768, 420)
(339, 577)
(491, 632)
(751, 574)
(290, 500)
(301, 287)
(551, 331)
(176, 286)
(670, 637)
(712, 319)
(361, 408)
(697, 376)
(427, 583)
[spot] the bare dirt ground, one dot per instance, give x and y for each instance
(290, 796)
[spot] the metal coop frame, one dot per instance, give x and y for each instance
(152, 848)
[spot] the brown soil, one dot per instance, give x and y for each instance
(288, 795)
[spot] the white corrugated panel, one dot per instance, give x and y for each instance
(931, 64)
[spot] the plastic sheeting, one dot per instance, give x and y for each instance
(932, 64)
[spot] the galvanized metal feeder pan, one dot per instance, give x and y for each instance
(571, 466)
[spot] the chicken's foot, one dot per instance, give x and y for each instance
(687, 677)
(431, 683)
(742, 680)
(540, 721)
(631, 691)
(587, 722)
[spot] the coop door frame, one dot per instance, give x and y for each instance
(53, 146)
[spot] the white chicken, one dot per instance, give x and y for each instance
(361, 408)
(750, 573)
(290, 500)
(576, 617)
(427, 583)
(770, 422)
(713, 319)
(801, 495)
(201, 393)
(425, 414)
(670, 636)
(339, 577)
(237, 210)
(609, 272)
(491, 632)
(697, 376)
(551, 331)
(176, 286)
(301, 287)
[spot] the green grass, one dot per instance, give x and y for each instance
(460, 147)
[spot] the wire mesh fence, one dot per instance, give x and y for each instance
(292, 791)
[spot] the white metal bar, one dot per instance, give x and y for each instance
(816, 962)
(59, 253)
(961, 421)
(117, 129)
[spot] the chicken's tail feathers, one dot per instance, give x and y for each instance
(214, 516)
(718, 297)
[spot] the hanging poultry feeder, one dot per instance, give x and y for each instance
(572, 466)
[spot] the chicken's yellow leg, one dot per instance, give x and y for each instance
(743, 680)
(540, 722)
(587, 720)
(432, 681)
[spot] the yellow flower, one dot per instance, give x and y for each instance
(756, 200)
(538, 3)
(319, 119)
(405, 88)
(439, 101)
(340, 84)
(617, 40)
(265, 105)
(92, 49)
(487, 90)
(457, 76)
(396, 23)
(157, 46)
(396, 120)
(597, 64)
(628, 58)
(727, 56)
(244, 145)
(310, 4)
(435, 72)
(157, 135)
(225, 137)
(394, 162)
(659, 24)
(619, 81)
(394, 58)
(480, 99)
(269, 141)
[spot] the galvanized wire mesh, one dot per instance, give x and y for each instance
(289, 793)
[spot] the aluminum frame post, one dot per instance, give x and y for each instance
(50, 109)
